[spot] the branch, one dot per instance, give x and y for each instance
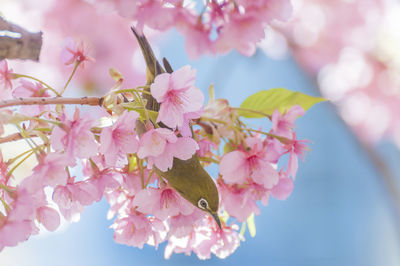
(55, 100)
(14, 137)
(18, 43)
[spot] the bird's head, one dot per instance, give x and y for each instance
(195, 185)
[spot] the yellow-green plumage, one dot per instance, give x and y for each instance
(187, 177)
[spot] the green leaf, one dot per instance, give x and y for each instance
(251, 225)
(266, 102)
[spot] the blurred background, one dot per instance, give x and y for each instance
(345, 207)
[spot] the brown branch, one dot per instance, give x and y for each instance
(55, 100)
(14, 137)
(18, 43)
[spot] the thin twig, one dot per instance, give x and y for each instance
(55, 100)
(14, 137)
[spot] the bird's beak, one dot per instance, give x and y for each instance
(216, 218)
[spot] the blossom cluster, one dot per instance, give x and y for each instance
(219, 27)
(122, 155)
(354, 61)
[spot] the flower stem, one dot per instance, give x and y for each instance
(6, 207)
(11, 161)
(5, 188)
(38, 80)
(211, 160)
(148, 179)
(77, 63)
(132, 90)
(140, 165)
(18, 164)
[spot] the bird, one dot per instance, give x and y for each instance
(187, 177)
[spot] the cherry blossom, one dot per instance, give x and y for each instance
(119, 140)
(237, 166)
(17, 225)
(74, 137)
(161, 203)
(238, 24)
(238, 202)
(296, 149)
(282, 124)
(283, 189)
(137, 229)
(161, 145)
(177, 95)
(6, 75)
(74, 52)
(29, 89)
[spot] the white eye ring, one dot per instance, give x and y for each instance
(203, 204)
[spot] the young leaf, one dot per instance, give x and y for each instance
(267, 101)
(251, 225)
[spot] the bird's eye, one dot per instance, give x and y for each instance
(203, 204)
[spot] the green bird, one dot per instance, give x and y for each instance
(187, 177)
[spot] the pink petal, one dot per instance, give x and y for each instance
(49, 218)
(160, 86)
(170, 114)
(195, 99)
(151, 144)
(283, 189)
(183, 78)
(184, 148)
(233, 167)
(264, 174)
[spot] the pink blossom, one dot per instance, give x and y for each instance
(177, 95)
(221, 242)
(161, 145)
(74, 52)
(296, 148)
(29, 89)
(155, 15)
(6, 75)
(17, 226)
(162, 203)
(99, 183)
(205, 239)
(196, 33)
(185, 129)
(45, 215)
(69, 198)
(119, 140)
(182, 244)
(182, 225)
(237, 166)
(283, 189)
(238, 202)
(205, 147)
(241, 32)
(3, 170)
(282, 125)
(75, 137)
(51, 170)
(136, 230)
(132, 181)
(48, 217)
